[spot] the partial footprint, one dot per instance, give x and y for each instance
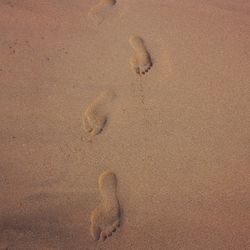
(96, 114)
(141, 60)
(106, 217)
(98, 12)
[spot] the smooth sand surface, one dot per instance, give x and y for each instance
(177, 138)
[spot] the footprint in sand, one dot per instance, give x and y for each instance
(98, 12)
(106, 217)
(141, 60)
(96, 114)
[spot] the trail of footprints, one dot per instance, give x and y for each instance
(105, 218)
(96, 114)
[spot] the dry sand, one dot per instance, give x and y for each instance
(177, 138)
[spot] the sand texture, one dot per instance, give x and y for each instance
(125, 124)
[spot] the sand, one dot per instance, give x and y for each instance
(176, 136)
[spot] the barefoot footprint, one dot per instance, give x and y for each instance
(98, 12)
(96, 114)
(141, 60)
(106, 217)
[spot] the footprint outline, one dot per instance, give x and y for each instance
(105, 218)
(99, 11)
(140, 61)
(96, 114)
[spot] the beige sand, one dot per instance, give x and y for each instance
(177, 138)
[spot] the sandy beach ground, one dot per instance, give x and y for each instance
(176, 138)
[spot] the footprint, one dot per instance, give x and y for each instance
(95, 115)
(141, 60)
(98, 12)
(106, 217)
